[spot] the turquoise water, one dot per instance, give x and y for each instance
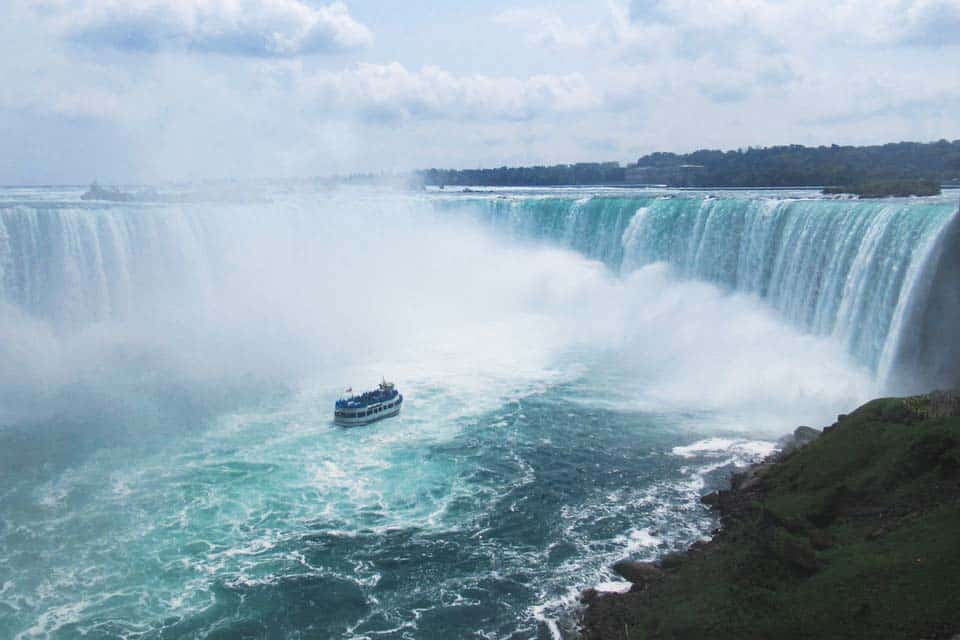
(574, 378)
(832, 267)
(276, 524)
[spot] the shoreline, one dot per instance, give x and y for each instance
(849, 532)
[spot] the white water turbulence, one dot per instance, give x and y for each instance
(840, 268)
(575, 377)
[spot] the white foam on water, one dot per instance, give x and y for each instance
(614, 586)
(748, 450)
(672, 507)
(546, 613)
(638, 540)
(52, 620)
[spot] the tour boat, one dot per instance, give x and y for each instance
(369, 406)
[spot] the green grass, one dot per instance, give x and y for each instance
(856, 536)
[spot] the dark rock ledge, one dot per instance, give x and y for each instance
(854, 533)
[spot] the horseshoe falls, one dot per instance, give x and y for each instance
(578, 368)
(842, 268)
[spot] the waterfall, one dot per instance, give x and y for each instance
(73, 265)
(841, 268)
(592, 226)
(926, 353)
(848, 269)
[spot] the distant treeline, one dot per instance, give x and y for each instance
(539, 176)
(783, 166)
(894, 188)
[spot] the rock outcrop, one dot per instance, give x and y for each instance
(641, 574)
(851, 533)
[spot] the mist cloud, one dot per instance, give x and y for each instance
(212, 308)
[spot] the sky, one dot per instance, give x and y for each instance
(135, 91)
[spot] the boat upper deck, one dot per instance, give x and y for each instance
(384, 393)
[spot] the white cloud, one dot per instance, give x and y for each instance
(839, 24)
(270, 28)
(543, 27)
(725, 29)
(919, 22)
(390, 91)
(547, 29)
(83, 103)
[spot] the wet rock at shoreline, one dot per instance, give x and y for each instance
(639, 573)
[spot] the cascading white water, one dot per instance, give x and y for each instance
(261, 293)
(844, 269)
(841, 268)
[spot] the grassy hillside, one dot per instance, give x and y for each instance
(856, 535)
